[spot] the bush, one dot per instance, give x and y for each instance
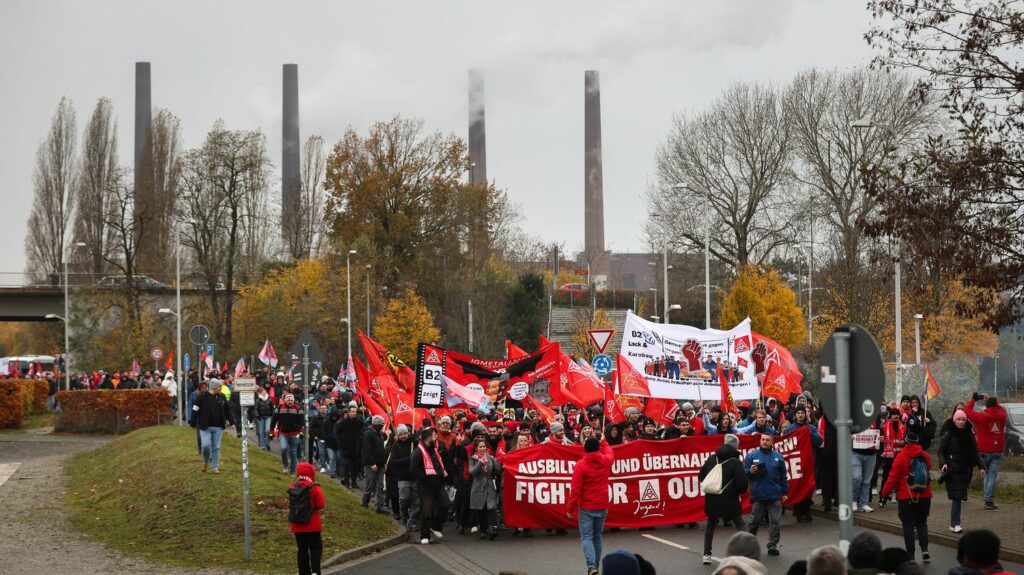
(12, 406)
(112, 411)
(35, 393)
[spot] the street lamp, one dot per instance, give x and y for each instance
(179, 377)
(348, 298)
(67, 312)
(917, 338)
(672, 308)
(655, 290)
(368, 267)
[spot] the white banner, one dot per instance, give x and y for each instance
(683, 362)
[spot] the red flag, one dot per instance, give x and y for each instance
(170, 361)
(766, 352)
(726, 402)
(631, 381)
(545, 412)
(368, 384)
(581, 381)
(662, 411)
(267, 355)
(373, 406)
(380, 361)
(612, 413)
(513, 351)
(775, 383)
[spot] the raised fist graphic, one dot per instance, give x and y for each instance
(691, 351)
(758, 355)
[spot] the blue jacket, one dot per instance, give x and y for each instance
(752, 428)
(815, 436)
(770, 482)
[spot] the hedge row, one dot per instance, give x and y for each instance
(112, 411)
(12, 403)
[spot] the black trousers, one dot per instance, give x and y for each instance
(709, 531)
(351, 470)
(310, 549)
(486, 519)
(802, 508)
(914, 515)
(433, 508)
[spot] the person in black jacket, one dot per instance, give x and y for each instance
(427, 469)
(727, 504)
(348, 430)
(331, 441)
(399, 460)
(210, 415)
(958, 456)
(264, 410)
(397, 454)
(921, 422)
(373, 464)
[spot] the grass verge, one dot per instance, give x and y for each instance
(144, 494)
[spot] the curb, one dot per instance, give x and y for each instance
(368, 549)
(861, 520)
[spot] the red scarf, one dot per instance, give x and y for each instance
(428, 464)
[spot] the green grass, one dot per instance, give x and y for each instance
(38, 420)
(144, 494)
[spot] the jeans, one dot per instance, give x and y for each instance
(290, 452)
(954, 512)
(321, 454)
(374, 486)
(409, 502)
(709, 531)
(773, 509)
(333, 462)
(863, 467)
(210, 440)
(992, 463)
(263, 431)
(591, 527)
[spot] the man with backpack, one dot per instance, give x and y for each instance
(305, 500)
(723, 482)
(910, 478)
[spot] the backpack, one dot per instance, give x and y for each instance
(300, 504)
(712, 484)
(919, 478)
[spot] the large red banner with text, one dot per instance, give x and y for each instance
(652, 482)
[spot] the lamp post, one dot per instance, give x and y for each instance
(67, 312)
(368, 267)
(917, 338)
(180, 379)
(348, 298)
(672, 308)
(655, 290)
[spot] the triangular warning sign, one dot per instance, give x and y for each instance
(600, 338)
(433, 357)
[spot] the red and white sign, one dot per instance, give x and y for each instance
(156, 354)
(652, 482)
(600, 338)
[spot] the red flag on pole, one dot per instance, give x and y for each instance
(631, 381)
(726, 402)
(775, 383)
(513, 351)
(170, 361)
(612, 412)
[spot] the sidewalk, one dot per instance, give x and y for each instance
(1007, 522)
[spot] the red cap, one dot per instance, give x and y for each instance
(744, 404)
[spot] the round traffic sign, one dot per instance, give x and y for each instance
(602, 364)
(156, 353)
(199, 334)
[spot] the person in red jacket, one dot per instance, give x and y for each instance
(307, 535)
(990, 428)
(588, 497)
(914, 506)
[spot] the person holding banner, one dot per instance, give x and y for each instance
(722, 493)
(588, 498)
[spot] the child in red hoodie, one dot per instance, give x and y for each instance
(914, 506)
(307, 535)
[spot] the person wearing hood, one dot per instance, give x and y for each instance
(958, 456)
(373, 464)
(210, 415)
(588, 498)
(921, 422)
(171, 386)
(769, 488)
(914, 503)
(308, 540)
(990, 426)
(727, 504)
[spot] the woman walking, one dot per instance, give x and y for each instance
(958, 456)
(485, 471)
(264, 410)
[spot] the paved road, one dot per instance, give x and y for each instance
(671, 550)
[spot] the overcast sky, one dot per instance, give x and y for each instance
(367, 61)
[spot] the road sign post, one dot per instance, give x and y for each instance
(602, 365)
(600, 338)
(305, 400)
(245, 482)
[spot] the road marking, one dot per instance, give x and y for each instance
(7, 470)
(666, 542)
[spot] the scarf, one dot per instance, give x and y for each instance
(428, 463)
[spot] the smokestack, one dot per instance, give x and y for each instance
(290, 185)
(477, 134)
(593, 188)
(143, 118)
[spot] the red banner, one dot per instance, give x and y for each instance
(652, 482)
(475, 372)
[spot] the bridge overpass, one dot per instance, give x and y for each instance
(33, 303)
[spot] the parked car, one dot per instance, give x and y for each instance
(574, 289)
(141, 282)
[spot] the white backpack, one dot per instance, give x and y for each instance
(712, 484)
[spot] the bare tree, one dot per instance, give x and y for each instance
(160, 179)
(124, 228)
(54, 184)
(97, 180)
(726, 169)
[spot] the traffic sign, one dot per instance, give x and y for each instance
(210, 348)
(199, 334)
(600, 338)
(602, 364)
(867, 378)
(156, 353)
(247, 399)
(245, 384)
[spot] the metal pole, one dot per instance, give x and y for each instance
(917, 339)
(899, 326)
(707, 271)
(348, 298)
(305, 400)
(664, 264)
(469, 307)
(181, 376)
(842, 423)
(995, 372)
(245, 488)
(67, 356)
(810, 295)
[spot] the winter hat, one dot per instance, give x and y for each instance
(744, 564)
(743, 544)
(557, 427)
(477, 427)
(306, 470)
(732, 440)
(591, 445)
(215, 384)
(688, 405)
(959, 415)
(353, 404)
(401, 428)
(377, 420)
(445, 419)
(620, 562)
(911, 437)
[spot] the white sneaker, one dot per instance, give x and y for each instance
(707, 560)
(323, 470)
(424, 541)
(874, 492)
(437, 534)
(474, 529)
(956, 529)
(284, 470)
(853, 507)
(866, 508)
